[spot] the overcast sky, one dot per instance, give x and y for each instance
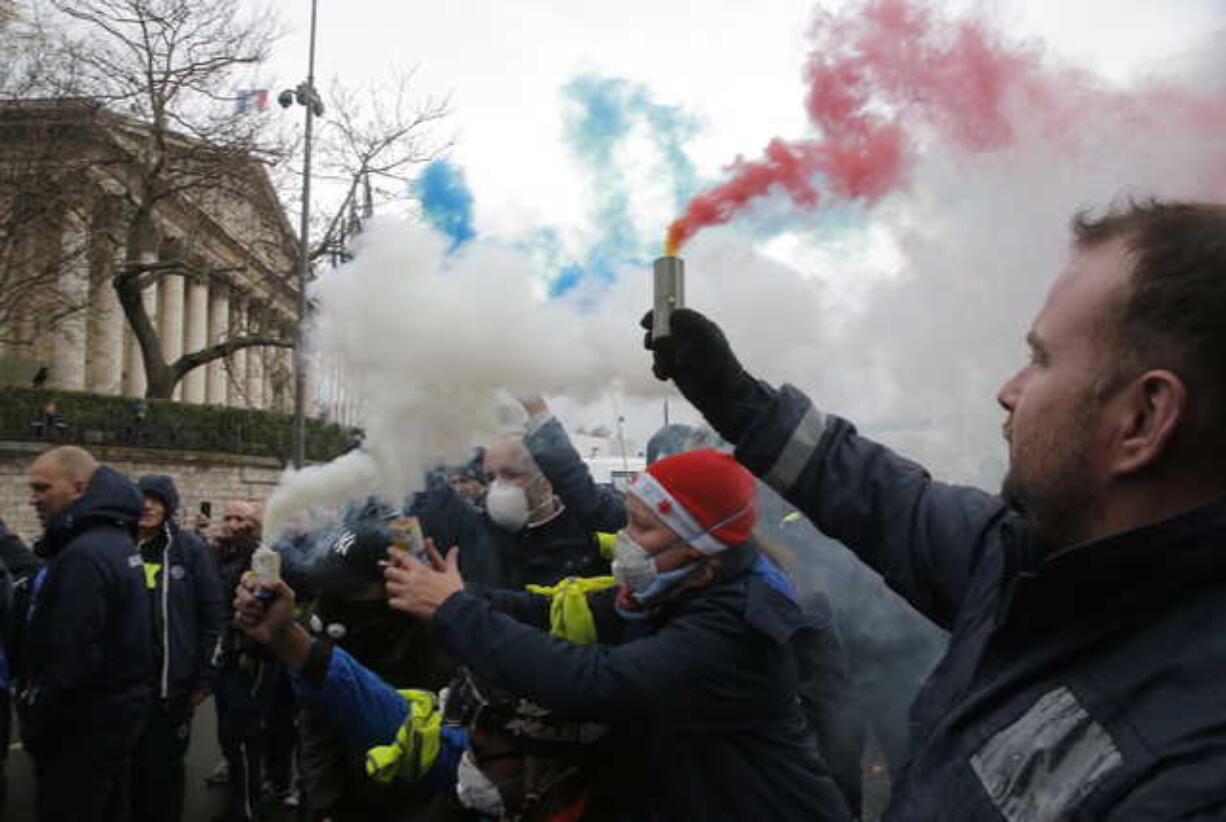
(733, 63)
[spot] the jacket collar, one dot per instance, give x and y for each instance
(1146, 566)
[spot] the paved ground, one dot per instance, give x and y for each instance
(203, 803)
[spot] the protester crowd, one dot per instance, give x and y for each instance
(518, 642)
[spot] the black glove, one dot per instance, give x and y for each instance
(696, 356)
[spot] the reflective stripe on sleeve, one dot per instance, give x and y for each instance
(800, 447)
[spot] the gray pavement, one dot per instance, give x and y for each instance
(202, 803)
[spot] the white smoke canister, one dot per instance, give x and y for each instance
(266, 566)
(669, 279)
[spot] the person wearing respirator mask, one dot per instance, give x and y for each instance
(537, 522)
(694, 665)
(539, 536)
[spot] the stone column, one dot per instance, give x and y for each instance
(106, 324)
(195, 337)
(287, 365)
(279, 383)
(255, 360)
(238, 362)
(170, 327)
(134, 382)
(71, 333)
(217, 391)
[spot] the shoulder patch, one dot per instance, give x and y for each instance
(1045, 763)
(134, 561)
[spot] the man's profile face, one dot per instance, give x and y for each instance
(1056, 428)
(51, 491)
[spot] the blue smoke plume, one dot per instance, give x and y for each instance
(446, 201)
(603, 113)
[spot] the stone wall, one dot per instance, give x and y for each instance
(199, 476)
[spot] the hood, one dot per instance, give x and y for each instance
(162, 487)
(110, 498)
(678, 438)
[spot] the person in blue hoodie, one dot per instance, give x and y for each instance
(84, 661)
(184, 589)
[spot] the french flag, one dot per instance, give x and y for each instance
(256, 99)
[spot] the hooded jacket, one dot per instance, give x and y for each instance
(84, 651)
(702, 695)
(1081, 684)
(188, 596)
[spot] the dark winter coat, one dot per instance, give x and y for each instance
(1084, 684)
(190, 604)
(85, 658)
(232, 562)
(702, 697)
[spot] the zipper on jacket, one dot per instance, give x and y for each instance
(166, 612)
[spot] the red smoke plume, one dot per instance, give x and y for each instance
(888, 76)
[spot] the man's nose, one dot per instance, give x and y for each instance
(1007, 395)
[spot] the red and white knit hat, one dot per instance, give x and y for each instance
(706, 496)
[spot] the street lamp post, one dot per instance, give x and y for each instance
(308, 98)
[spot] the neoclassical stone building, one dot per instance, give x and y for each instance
(229, 255)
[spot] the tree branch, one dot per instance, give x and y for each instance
(224, 349)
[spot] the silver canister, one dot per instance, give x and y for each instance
(669, 276)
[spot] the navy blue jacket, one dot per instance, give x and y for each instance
(702, 697)
(1083, 684)
(84, 656)
(189, 606)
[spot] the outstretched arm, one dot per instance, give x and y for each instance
(923, 536)
(599, 508)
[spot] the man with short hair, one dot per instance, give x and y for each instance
(185, 592)
(1087, 606)
(84, 662)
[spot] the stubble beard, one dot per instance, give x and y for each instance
(1052, 483)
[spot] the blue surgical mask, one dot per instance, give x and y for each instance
(636, 569)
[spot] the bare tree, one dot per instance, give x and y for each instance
(163, 74)
(167, 67)
(36, 198)
(368, 146)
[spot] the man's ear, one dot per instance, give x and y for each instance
(1155, 405)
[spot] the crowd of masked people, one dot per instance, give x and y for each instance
(551, 650)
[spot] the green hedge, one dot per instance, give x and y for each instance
(96, 419)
